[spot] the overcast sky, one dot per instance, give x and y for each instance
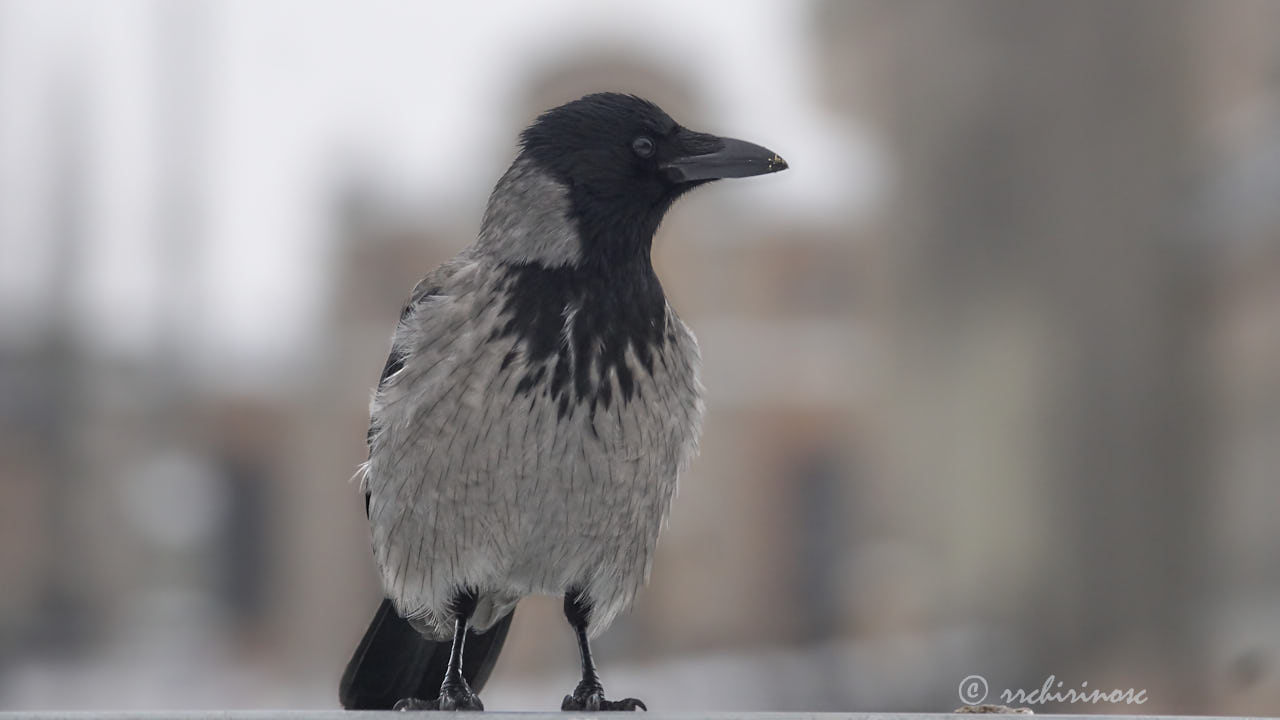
(265, 101)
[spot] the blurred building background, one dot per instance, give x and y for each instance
(993, 372)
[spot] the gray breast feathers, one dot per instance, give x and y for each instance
(477, 480)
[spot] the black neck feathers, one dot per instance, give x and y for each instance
(577, 324)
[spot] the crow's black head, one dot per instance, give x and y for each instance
(624, 161)
(573, 219)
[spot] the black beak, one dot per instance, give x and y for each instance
(734, 159)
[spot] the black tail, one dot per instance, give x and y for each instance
(393, 661)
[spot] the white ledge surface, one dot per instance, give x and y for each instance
(385, 715)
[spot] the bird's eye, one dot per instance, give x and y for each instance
(643, 146)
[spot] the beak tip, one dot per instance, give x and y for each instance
(777, 164)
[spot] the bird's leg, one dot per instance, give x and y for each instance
(455, 693)
(589, 695)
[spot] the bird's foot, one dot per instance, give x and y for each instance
(590, 697)
(453, 696)
(459, 697)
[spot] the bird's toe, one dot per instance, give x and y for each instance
(412, 704)
(624, 704)
(594, 701)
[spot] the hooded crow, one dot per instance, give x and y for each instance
(539, 403)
